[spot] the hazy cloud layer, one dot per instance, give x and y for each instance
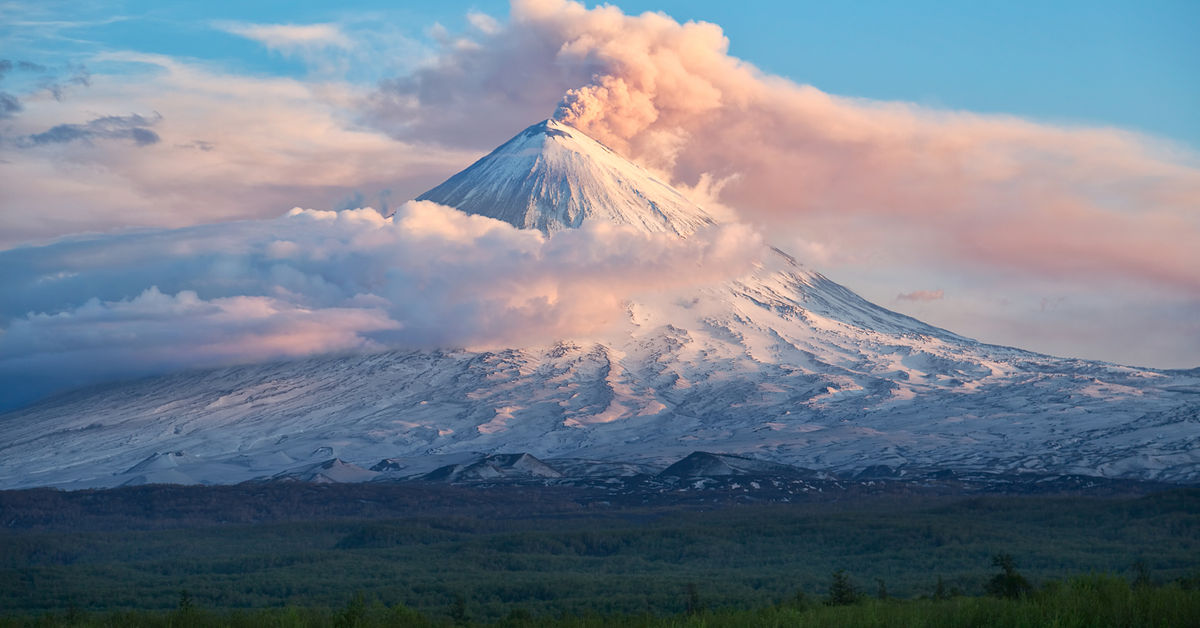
(921, 295)
(132, 127)
(89, 309)
(225, 147)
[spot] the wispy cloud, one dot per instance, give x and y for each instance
(361, 50)
(483, 22)
(290, 38)
(9, 105)
(133, 127)
(921, 295)
(8, 65)
(229, 147)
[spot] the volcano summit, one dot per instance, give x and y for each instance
(780, 365)
(552, 177)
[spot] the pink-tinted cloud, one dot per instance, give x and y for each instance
(988, 190)
(921, 295)
(153, 333)
(203, 146)
(312, 282)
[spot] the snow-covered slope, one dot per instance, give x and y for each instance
(551, 176)
(781, 365)
(493, 467)
(328, 472)
(704, 464)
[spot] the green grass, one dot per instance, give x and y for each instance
(1086, 601)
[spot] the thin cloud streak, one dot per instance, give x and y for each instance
(921, 295)
(290, 38)
(132, 127)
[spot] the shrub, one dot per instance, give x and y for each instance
(1008, 583)
(841, 590)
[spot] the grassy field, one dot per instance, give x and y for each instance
(1082, 602)
(629, 562)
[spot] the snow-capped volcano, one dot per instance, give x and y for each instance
(551, 176)
(781, 365)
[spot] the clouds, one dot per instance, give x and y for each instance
(1000, 190)
(290, 38)
(46, 79)
(154, 332)
(990, 191)
(991, 203)
(993, 190)
(879, 195)
(921, 295)
(10, 104)
(133, 127)
(93, 308)
(227, 147)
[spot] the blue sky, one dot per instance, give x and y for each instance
(1129, 64)
(1100, 62)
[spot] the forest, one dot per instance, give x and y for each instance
(506, 561)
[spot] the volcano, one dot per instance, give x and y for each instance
(552, 177)
(781, 365)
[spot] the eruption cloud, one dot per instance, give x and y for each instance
(987, 190)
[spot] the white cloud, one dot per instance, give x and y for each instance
(483, 22)
(87, 309)
(290, 38)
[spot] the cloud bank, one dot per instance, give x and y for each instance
(89, 309)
